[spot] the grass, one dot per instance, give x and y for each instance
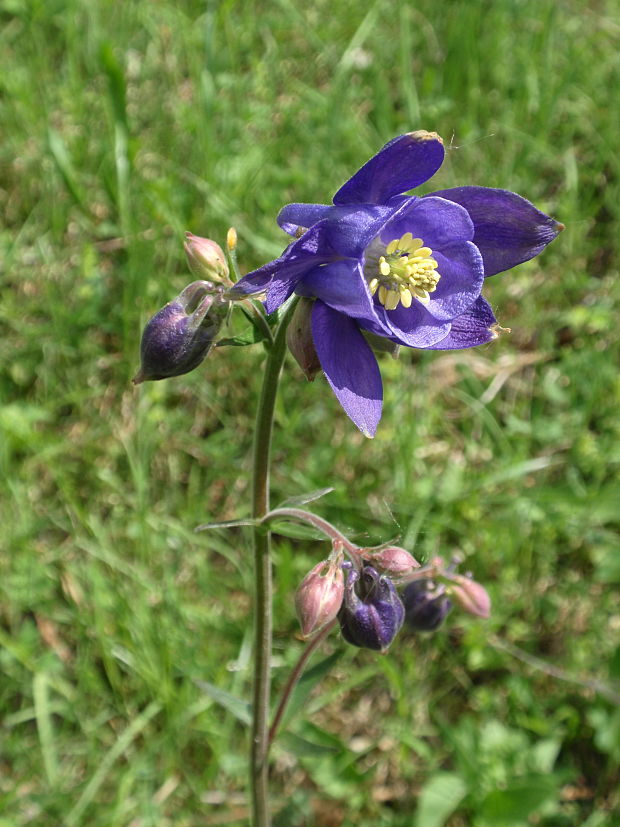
(126, 124)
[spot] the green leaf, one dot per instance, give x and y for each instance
(303, 499)
(614, 664)
(124, 740)
(544, 754)
(116, 84)
(607, 562)
(607, 730)
(302, 747)
(440, 797)
(514, 804)
(236, 706)
(308, 681)
(250, 336)
(226, 524)
(66, 170)
(41, 696)
(257, 331)
(295, 530)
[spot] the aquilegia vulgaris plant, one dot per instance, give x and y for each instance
(375, 270)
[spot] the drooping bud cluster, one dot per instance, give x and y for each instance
(181, 334)
(363, 593)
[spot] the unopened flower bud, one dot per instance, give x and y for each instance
(372, 612)
(470, 596)
(206, 259)
(425, 606)
(392, 560)
(231, 239)
(180, 335)
(319, 596)
(299, 339)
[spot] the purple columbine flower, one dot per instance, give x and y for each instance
(406, 268)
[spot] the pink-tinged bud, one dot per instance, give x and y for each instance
(319, 596)
(470, 596)
(206, 259)
(392, 560)
(299, 339)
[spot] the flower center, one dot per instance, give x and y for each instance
(401, 271)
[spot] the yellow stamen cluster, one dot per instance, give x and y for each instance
(405, 272)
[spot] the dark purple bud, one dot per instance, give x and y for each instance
(372, 612)
(425, 606)
(179, 337)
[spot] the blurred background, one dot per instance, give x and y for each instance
(126, 124)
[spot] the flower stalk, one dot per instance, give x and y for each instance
(295, 675)
(262, 576)
(315, 521)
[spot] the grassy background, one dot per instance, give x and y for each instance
(125, 124)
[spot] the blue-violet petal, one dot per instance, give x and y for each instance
(470, 329)
(402, 164)
(350, 366)
(508, 228)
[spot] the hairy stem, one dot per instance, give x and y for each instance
(263, 586)
(294, 677)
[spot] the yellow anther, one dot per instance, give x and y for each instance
(401, 271)
(393, 299)
(384, 267)
(405, 296)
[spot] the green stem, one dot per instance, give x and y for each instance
(260, 321)
(231, 254)
(262, 574)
